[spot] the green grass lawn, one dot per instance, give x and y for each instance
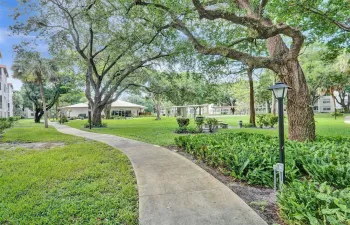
(83, 182)
(162, 132)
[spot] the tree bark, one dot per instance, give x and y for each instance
(97, 116)
(158, 104)
(233, 110)
(268, 107)
(107, 111)
(38, 114)
(43, 100)
(301, 123)
(251, 97)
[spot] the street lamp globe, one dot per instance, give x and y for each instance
(279, 90)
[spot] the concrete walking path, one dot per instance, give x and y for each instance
(172, 189)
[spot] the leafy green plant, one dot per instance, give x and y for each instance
(247, 125)
(260, 120)
(183, 122)
(272, 120)
(200, 120)
(63, 119)
(212, 124)
(308, 202)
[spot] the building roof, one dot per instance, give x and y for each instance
(5, 69)
(118, 103)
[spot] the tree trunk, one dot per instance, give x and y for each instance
(268, 107)
(158, 104)
(251, 97)
(107, 111)
(43, 100)
(273, 107)
(301, 123)
(37, 115)
(335, 106)
(97, 116)
(233, 110)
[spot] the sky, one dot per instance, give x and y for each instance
(7, 40)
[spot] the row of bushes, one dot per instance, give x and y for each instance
(183, 123)
(306, 198)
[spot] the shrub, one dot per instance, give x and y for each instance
(337, 113)
(212, 124)
(247, 125)
(63, 119)
(266, 120)
(272, 120)
(199, 122)
(260, 120)
(186, 130)
(183, 122)
(303, 202)
(103, 125)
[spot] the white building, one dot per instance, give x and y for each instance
(6, 92)
(119, 108)
(325, 104)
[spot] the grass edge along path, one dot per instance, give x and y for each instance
(161, 132)
(83, 182)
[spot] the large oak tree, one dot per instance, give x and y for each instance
(222, 27)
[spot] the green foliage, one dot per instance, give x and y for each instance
(337, 113)
(266, 120)
(200, 120)
(250, 157)
(63, 119)
(308, 202)
(103, 125)
(7, 122)
(183, 122)
(212, 124)
(247, 125)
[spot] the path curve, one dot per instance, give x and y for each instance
(173, 190)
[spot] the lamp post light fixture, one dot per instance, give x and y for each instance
(280, 91)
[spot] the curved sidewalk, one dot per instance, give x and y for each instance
(172, 189)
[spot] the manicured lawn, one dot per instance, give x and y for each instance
(83, 182)
(162, 132)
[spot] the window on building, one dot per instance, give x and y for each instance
(326, 109)
(118, 113)
(0, 102)
(8, 105)
(326, 101)
(315, 108)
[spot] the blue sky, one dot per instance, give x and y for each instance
(7, 40)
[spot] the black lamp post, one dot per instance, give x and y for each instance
(280, 91)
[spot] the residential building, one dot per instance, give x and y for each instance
(118, 108)
(6, 92)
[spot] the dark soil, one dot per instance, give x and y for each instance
(261, 199)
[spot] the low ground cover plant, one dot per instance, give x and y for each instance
(82, 182)
(250, 157)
